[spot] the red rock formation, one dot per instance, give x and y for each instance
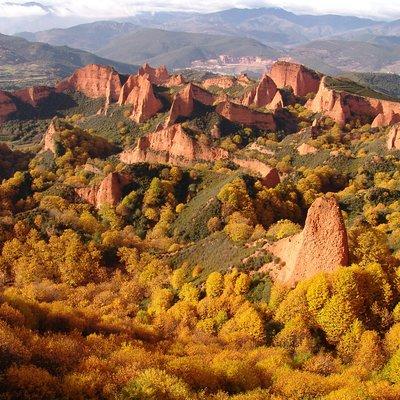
(183, 104)
(242, 115)
(49, 138)
(388, 112)
(157, 76)
(7, 106)
(94, 81)
(263, 94)
(270, 176)
(271, 179)
(343, 107)
(243, 80)
(393, 142)
(277, 102)
(305, 149)
(88, 194)
(175, 80)
(223, 82)
(385, 119)
(138, 91)
(171, 145)
(255, 166)
(107, 193)
(301, 79)
(34, 95)
(321, 247)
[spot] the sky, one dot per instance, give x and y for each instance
(379, 9)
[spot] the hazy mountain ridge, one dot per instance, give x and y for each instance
(24, 63)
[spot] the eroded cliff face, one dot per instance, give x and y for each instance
(138, 91)
(301, 79)
(109, 191)
(171, 145)
(7, 106)
(175, 80)
(223, 82)
(94, 81)
(263, 94)
(272, 179)
(242, 115)
(388, 112)
(305, 149)
(393, 141)
(34, 95)
(269, 175)
(49, 138)
(157, 76)
(253, 165)
(343, 107)
(330, 103)
(184, 101)
(322, 246)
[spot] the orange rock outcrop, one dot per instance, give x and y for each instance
(34, 95)
(7, 106)
(171, 145)
(183, 104)
(49, 138)
(301, 79)
(242, 115)
(271, 179)
(138, 91)
(223, 82)
(157, 76)
(253, 165)
(322, 246)
(175, 80)
(343, 107)
(393, 141)
(263, 94)
(94, 81)
(269, 175)
(109, 191)
(305, 149)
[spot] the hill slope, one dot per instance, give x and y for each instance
(273, 26)
(90, 37)
(179, 49)
(24, 63)
(388, 84)
(333, 56)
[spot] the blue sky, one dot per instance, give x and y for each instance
(383, 9)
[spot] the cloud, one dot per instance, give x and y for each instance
(388, 9)
(14, 10)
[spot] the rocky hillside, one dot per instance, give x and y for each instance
(335, 56)
(24, 63)
(125, 42)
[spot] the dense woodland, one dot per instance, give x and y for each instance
(161, 297)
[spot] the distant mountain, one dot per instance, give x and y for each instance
(127, 43)
(272, 26)
(90, 37)
(336, 56)
(46, 18)
(23, 63)
(180, 49)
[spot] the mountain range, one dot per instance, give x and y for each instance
(24, 63)
(332, 44)
(358, 49)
